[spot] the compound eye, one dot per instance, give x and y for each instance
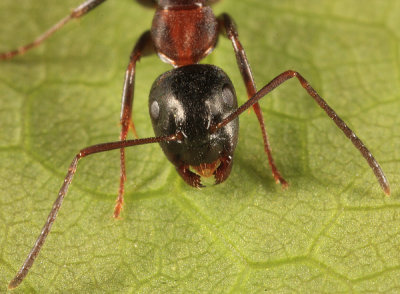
(155, 110)
(227, 95)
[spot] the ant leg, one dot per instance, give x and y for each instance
(228, 28)
(143, 47)
(283, 77)
(63, 192)
(81, 10)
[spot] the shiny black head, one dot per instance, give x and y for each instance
(189, 100)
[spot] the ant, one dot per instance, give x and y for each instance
(193, 107)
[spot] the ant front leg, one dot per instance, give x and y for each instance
(143, 47)
(228, 28)
(81, 10)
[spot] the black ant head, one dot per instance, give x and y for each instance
(189, 100)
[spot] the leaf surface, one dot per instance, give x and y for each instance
(332, 231)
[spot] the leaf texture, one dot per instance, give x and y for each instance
(332, 231)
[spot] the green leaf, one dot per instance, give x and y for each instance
(332, 231)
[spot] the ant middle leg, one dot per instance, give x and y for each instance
(144, 46)
(228, 28)
(81, 10)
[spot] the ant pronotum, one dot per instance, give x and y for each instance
(193, 107)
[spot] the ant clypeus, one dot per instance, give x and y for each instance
(193, 107)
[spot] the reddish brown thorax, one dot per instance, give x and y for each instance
(184, 32)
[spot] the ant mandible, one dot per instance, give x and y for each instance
(193, 107)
